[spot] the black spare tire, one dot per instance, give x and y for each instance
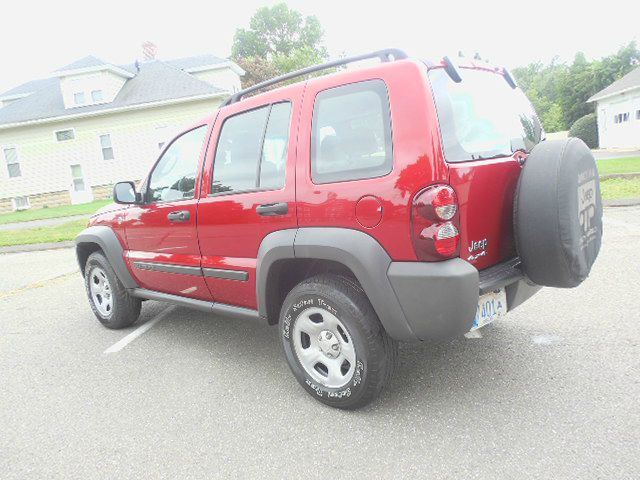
(558, 213)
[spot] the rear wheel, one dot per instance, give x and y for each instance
(109, 300)
(334, 343)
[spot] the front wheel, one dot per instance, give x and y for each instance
(334, 343)
(109, 300)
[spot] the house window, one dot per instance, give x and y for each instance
(78, 179)
(96, 96)
(78, 98)
(162, 136)
(621, 117)
(13, 164)
(107, 148)
(64, 135)
(21, 203)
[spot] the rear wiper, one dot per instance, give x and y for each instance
(497, 155)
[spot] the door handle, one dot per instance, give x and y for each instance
(272, 209)
(179, 216)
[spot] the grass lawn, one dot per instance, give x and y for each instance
(619, 165)
(56, 233)
(615, 188)
(52, 212)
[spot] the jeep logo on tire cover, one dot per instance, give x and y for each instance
(587, 205)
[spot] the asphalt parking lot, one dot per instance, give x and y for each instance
(551, 392)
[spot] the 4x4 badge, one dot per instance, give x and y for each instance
(473, 258)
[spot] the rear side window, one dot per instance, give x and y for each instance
(351, 133)
(252, 150)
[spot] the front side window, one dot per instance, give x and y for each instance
(351, 133)
(78, 98)
(482, 116)
(13, 164)
(252, 150)
(174, 176)
(106, 146)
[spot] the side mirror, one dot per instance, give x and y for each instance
(125, 193)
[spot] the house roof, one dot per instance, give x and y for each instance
(630, 81)
(155, 81)
(86, 62)
(195, 62)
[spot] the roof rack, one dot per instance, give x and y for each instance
(386, 55)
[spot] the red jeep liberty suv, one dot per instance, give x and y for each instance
(402, 201)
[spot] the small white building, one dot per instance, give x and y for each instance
(68, 138)
(618, 111)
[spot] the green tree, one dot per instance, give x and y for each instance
(559, 92)
(278, 40)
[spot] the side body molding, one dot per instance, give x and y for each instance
(108, 242)
(358, 251)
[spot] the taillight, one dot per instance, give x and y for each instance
(445, 203)
(434, 223)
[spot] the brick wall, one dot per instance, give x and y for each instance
(51, 199)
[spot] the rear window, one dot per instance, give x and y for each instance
(351, 135)
(482, 116)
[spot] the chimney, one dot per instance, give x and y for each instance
(149, 51)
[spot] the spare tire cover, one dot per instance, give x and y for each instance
(558, 213)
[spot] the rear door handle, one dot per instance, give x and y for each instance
(179, 216)
(272, 209)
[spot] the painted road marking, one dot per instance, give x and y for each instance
(116, 347)
(545, 339)
(473, 334)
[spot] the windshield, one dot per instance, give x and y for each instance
(482, 116)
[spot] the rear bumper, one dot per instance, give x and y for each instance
(439, 299)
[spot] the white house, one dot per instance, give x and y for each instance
(618, 110)
(68, 138)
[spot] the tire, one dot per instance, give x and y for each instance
(109, 300)
(558, 213)
(328, 310)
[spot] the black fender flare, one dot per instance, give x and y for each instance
(105, 238)
(356, 250)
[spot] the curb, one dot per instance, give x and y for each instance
(623, 202)
(619, 175)
(36, 247)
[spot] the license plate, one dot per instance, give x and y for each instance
(491, 306)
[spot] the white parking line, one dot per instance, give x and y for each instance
(116, 347)
(473, 334)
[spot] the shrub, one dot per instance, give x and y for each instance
(586, 129)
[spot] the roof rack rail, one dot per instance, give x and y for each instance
(386, 55)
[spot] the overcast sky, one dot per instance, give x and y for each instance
(39, 37)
